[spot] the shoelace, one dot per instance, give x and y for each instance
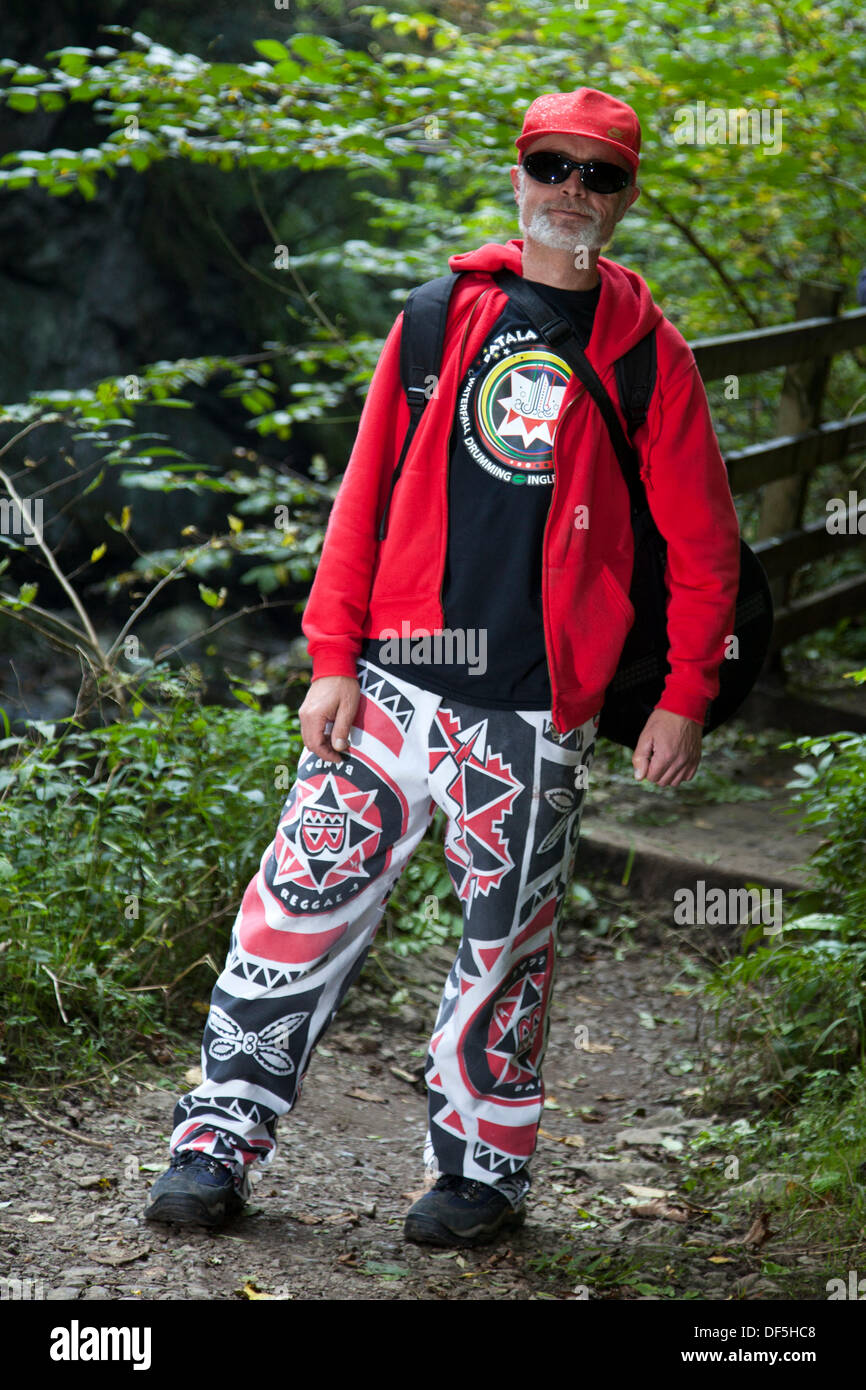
(469, 1188)
(213, 1165)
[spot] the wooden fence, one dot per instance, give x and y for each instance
(782, 465)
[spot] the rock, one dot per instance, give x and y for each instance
(650, 1137)
(766, 1184)
(746, 1284)
(410, 1016)
(618, 1229)
(620, 1170)
(661, 1232)
(96, 1291)
(668, 1118)
(63, 1295)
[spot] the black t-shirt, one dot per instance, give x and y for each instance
(500, 484)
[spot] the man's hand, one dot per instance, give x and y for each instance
(329, 700)
(668, 750)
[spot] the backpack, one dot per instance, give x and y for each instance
(638, 682)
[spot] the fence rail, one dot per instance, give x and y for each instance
(783, 465)
(780, 346)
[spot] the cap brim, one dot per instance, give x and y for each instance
(627, 153)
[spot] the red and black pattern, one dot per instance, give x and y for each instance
(512, 792)
(481, 791)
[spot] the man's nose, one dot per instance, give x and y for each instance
(574, 185)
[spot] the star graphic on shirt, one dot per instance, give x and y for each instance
(532, 409)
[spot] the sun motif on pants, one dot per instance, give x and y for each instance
(514, 1031)
(329, 833)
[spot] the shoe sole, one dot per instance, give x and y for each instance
(426, 1230)
(182, 1209)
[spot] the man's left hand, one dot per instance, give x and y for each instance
(669, 749)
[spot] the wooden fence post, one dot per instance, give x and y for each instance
(783, 500)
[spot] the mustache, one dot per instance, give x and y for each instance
(588, 213)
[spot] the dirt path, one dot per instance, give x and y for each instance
(326, 1219)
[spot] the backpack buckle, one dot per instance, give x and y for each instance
(556, 331)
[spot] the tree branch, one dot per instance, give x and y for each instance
(685, 230)
(54, 567)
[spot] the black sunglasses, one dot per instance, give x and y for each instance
(546, 166)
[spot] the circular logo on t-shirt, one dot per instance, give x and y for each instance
(508, 413)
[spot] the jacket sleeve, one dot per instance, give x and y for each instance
(690, 499)
(337, 605)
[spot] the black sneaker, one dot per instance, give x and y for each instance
(460, 1211)
(196, 1189)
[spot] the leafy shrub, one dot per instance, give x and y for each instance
(792, 1009)
(123, 854)
(831, 794)
(795, 1008)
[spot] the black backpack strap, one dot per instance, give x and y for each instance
(425, 314)
(635, 381)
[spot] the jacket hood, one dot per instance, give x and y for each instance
(626, 310)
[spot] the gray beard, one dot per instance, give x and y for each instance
(546, 233)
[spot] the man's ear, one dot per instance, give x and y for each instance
(514, 174)
(633, 193)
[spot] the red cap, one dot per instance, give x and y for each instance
(585, 112)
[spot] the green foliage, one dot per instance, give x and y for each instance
(822, 1142)
(829, 1135)
(794, 1008)
(831, 795)
(123, 855)
(791, 1009)
(436, 100)
(283, 549)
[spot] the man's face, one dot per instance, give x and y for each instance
(567, 215)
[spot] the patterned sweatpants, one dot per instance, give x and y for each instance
(512, 790)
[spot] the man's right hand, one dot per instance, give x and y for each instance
(330, 699)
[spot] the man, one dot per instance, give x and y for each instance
(508, 528)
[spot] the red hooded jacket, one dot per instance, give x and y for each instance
(364, 585)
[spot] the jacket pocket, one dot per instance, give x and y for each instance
(597, 635)
(618, 592)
